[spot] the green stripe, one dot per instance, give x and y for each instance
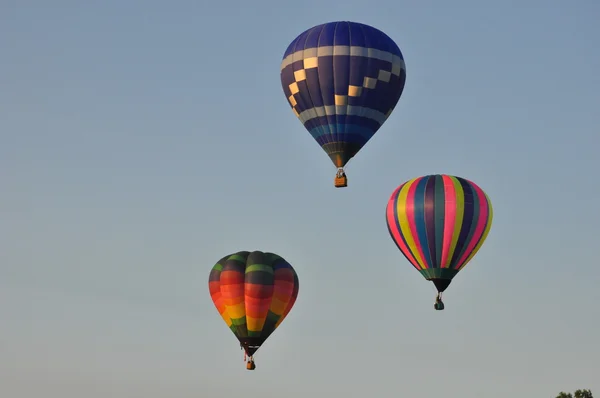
(273, 317)
(239, 330)
(438, 273)
(440, 215)
(239, 321)
(237, 257)
(218, 267)
(474, 222)
(260, 267)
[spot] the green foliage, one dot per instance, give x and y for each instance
(577, 394)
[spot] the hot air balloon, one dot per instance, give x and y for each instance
(439, 222)
(342, 80)
(253, 292)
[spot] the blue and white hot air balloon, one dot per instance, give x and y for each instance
(343, 80)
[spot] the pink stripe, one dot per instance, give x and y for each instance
(483, 216)
(396, 234)
(410, 210)
(449, 217)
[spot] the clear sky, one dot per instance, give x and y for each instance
(141, 141)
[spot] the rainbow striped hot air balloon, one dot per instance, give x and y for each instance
(253, 292)
(439, 222)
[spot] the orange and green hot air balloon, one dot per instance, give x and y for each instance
(253, 292)
(439, 222)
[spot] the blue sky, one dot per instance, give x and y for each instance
(142, 141)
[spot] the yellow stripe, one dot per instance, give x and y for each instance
(254, 324)
(278, 308)
(485, 232)
(236, 311)
(403, 221)
(227, 318)
(460, 210)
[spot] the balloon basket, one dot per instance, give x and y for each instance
(250, 365)
(439, 304)
(341, 180)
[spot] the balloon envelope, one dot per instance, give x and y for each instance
(342, 80)
(439, 222)
(253, 292)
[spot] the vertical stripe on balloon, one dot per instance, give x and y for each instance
(407, 220)
(439, 206)
(460, 212)
(419, 221)
(394, 228)
(486, 221)
(449, 219)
